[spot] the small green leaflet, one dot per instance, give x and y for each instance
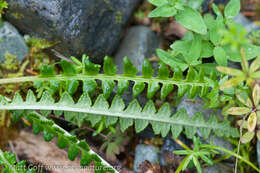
(220, 56)
(158, 2)
(232, 9)
(172, 61)
(163, 11)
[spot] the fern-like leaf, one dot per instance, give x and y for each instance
(161, 120)
(65, 140)
(194, 83)
(10, 165)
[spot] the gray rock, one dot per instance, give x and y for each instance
(145, 152)
(12, 42)
(169, 145)
(250, 26)
(218, 168)
(258, 152)
(194, 106)
(92, 27)
(139, 43)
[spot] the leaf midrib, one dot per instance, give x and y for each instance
(120, 114)
(104, 77)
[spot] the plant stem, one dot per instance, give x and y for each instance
(208, 146)
(239, 142)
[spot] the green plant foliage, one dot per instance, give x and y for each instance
(195, 82)
(185, 15)
(232, 9)
(162, 121)
(10, 165)
(219, 37)
(194, 156)
(205, 152)
(3, 5)
(65, 140)
(250, 110)
(248, 74)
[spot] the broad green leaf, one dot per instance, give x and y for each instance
(251, 122)
(209, 21)
(247, 137)
(182, 46)
(220, 56)
(207, 49)
(192, 20)
(147, 69)
(158, 2)
(109, 67)
(252, 51)
(230, 71)
(172, 61)
(232, 9)
(194, 50)
(238, 111)
(165, 10)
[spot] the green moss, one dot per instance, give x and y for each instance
(119, 17)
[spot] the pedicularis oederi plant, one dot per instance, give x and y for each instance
(181, 71)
